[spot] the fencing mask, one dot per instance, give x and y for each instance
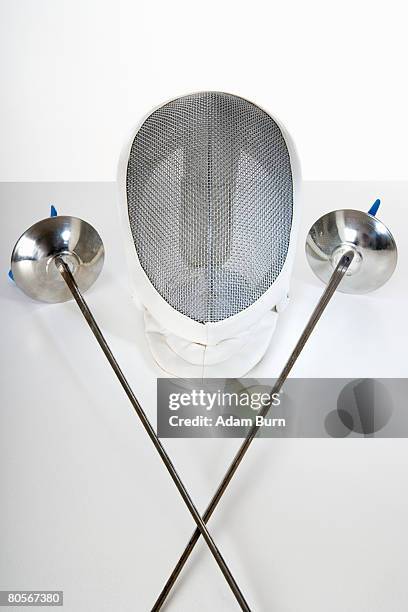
(208, 193)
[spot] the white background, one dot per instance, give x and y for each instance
(86, 505)
(76, 75)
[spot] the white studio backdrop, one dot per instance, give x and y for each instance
(77, 75)
(86, 504)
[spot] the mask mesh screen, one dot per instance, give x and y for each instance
(209, 192)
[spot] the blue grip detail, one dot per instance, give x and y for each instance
(374, 208)
(10, 275)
